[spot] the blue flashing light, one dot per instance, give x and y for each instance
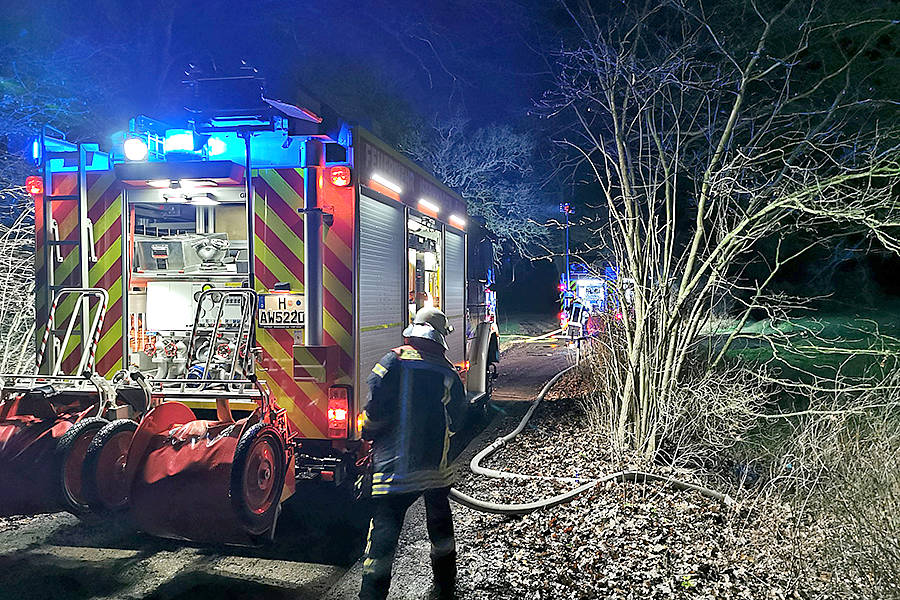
(179, 140)
(216, 146)
(610, 272)
(36, 151)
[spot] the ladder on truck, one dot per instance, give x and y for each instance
(58, 152)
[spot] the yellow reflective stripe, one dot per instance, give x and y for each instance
(410, 354)
(381, 326)
(379, 370)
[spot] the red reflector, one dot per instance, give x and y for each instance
(327, 475)
(340, 176)
(338, 411)
(34, 185)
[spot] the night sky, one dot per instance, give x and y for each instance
(475, 58)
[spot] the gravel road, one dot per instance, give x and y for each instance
(61, 557)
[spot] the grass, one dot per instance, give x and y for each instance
(847, 344)
(527, 324)
(517, 326)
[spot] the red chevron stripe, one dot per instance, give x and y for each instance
(98, 203)
(110, 278)
(113, 314)
(279, 249)
(293, 178)
(337, 310)
(107, 364)
(286, 382)
(280, 206)
(344, 360)
(337, 267)
(63, 184)
(110, 237)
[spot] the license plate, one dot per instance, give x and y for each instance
(281, 311)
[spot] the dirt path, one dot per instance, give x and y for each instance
(525, 367)
(58, 556)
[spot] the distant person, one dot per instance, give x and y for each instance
(416, 402)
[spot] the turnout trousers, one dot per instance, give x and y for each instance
(384, 532)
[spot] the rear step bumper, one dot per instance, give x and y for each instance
(332, 469)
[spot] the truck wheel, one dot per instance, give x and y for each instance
(257, 477)
(489, 377)
(103, 474)
(483, 410)
(71, 450)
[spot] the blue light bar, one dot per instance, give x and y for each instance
(179, 141)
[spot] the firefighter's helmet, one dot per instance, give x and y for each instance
(430, 324)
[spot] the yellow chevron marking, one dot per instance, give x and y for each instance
(64, 308)
(285, 400)
(109, 339)
(64, 269)
(106, 260)
(278, 354)
(337, 331)
(281, 187)
(100, 185)
(68, 224)
(306, 427)
(72, 347)
(116, 366)
(334, 287)
(107, 219)
(340, 249)
(288, 237)
(281, 273)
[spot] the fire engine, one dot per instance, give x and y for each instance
(257, 259)
(589, 301)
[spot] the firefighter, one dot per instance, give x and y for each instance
(416, 402)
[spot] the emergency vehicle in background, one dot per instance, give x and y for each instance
(335, 238)
(589, 301)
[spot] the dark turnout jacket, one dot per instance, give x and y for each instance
(416, 402)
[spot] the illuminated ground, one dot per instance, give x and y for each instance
(57, 556)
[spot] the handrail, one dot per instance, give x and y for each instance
(90, 338)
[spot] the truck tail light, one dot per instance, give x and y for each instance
(338, 411)
(34, 185)
(340, 176)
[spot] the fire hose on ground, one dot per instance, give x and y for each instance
(525, 508)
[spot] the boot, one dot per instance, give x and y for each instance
(444, 585)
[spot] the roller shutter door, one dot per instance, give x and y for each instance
(455, 293)
(381, 281)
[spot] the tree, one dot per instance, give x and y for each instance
(491, 168)
(708, 133)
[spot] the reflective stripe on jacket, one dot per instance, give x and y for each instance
(416, 402)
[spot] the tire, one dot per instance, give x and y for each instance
(71, 450)
(103, 473)
(483, 409)
(257, 478)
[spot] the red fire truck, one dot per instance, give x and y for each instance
(334, 236)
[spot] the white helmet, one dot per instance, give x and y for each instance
(430, 324)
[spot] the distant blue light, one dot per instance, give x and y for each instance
(36, 151)
(179, 140)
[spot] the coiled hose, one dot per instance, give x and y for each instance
(525, 508)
